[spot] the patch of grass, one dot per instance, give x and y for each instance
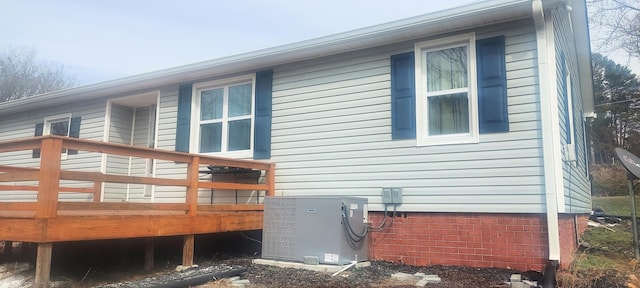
(607, 261)
(616, 205)
(608, 249)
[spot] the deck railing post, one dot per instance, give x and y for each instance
(97, 191)
(193, 170)
(49, 178)
(271, 179)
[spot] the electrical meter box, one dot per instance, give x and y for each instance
(315, 230)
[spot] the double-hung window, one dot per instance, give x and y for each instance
(58, 125)
(225, 116)
(446, 110)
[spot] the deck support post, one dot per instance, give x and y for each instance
(148, 254)
(43, 264)
(124, 251)
(8, 250)
(187, 250)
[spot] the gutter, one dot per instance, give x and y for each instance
(550, 136)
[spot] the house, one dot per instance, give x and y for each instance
(476, 113)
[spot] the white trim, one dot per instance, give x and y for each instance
(131, 138)
(422, 138)
(105, 138)
(46, 129)
(194, 139)
(550, 124)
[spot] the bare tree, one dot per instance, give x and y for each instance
(22, 75)
(615, 24)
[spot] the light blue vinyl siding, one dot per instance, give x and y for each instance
(332, 136)
(138, 166)
(167, 122)
(119, 132)
(22, 125)
(577, 189)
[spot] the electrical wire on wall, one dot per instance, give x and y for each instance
(357, 237)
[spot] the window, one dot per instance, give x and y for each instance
(58, 125)
(224, 116)
(446, 101)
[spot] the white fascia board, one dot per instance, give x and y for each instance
(456, 19)
(582, 44)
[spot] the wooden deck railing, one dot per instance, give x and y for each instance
(47, 178)
(45, 219)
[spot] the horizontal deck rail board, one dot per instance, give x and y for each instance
(18, 206)
(233, 186)
(99, 177)
(142, 152)
(17, 214)
(35, 188)
(98, 213)
(121, 206)
(230, 207)
(20, 144)
(20, 176)
(5, 168)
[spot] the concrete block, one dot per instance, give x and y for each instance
(422, 283)
(241, 281)
(516, 278)
(403, 276)
(363, 264)
(518, 285)
(234, 278)
(419, 274)
(432, 278)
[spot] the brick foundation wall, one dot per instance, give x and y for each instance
(517, 241)
(568, 241)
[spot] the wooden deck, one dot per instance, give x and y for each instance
(47, 219)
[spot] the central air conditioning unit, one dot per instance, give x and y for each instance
(315, 230)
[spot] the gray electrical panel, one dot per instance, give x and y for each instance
(314, 230)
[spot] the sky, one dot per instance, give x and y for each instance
(103, 40)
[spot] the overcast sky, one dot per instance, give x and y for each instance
(103, 40)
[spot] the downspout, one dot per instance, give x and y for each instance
(548, 140)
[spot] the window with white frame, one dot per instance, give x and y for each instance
(224, 116)
(446, 91)
(57, 125)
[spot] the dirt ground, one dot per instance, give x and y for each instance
(378, 274)
(116, 264)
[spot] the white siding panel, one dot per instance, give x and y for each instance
(331, 135)
(22, 125)
(577, 190)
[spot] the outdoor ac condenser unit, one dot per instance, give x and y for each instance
(314, 230)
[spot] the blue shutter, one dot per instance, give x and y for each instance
(39, 128)
(74, 132)
(262, 133)
(493, 114)
(184, 118)
(403, 96)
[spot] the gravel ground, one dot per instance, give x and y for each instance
(376, 275)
